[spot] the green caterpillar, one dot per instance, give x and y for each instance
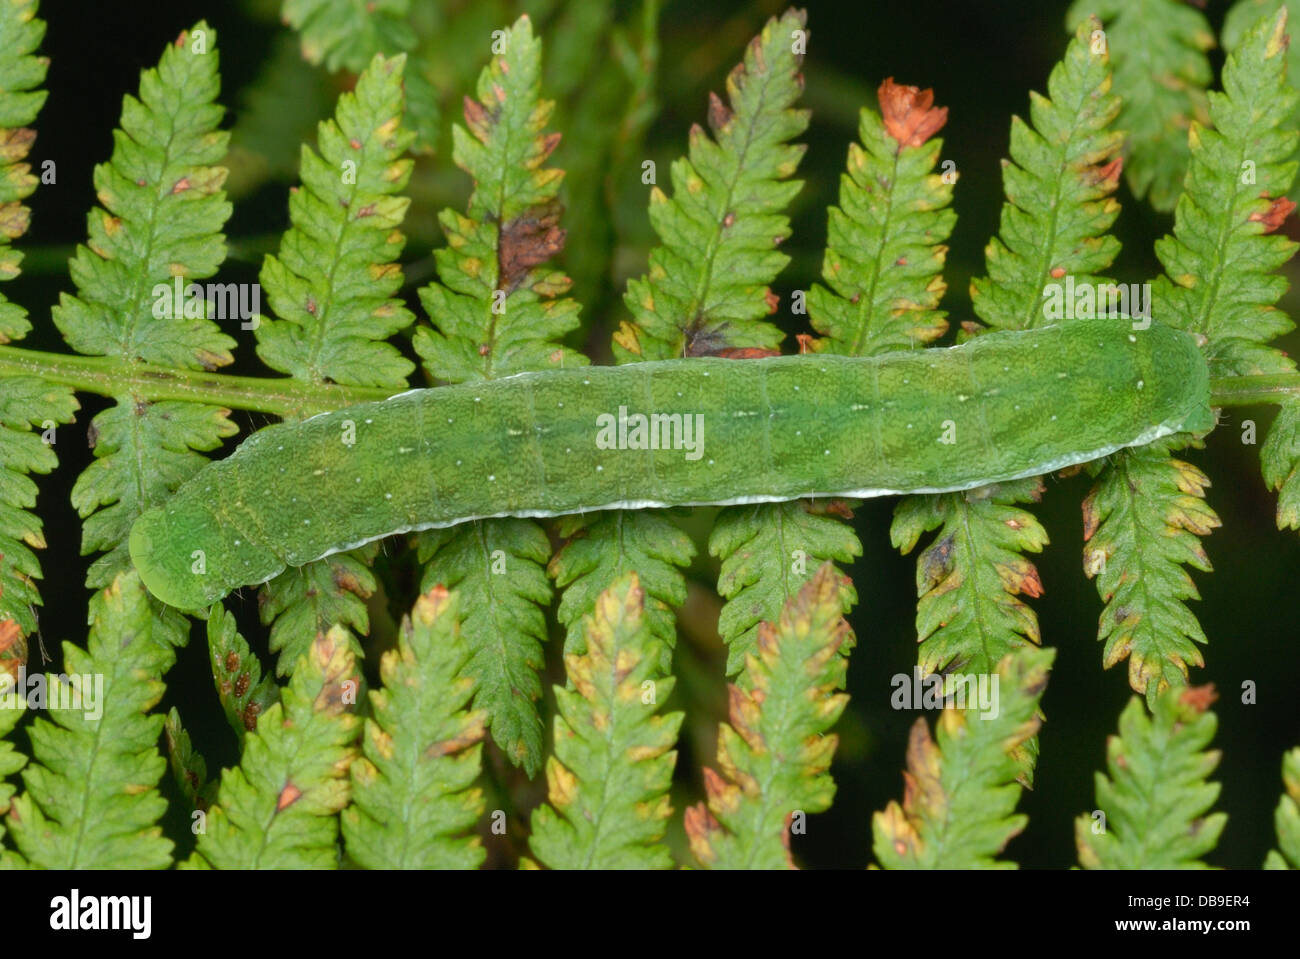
(675, 433)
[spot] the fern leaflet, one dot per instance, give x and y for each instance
(412, 793)
(613, 764)
(1155, 798)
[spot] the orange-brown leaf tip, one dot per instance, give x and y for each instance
(288, 796)
(909, 113)
(1199, 698)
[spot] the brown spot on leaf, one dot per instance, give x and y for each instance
(484, 349)
(288, 796)
(354, 143)
(232, 661)
(92, 435)
(773, 301)
(249, 716)
(181, 185)
(1109, 173)
(719, 113)
(241, 685)
(909, 113)
(1272, 218)
(527, 241)
(1058, 272)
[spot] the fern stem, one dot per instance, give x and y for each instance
(1254, 390)
(112, 376)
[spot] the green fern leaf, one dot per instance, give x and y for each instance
(1062, 171)
(1155, 799)
(1287, 817)
(1243, 15)
(244, 692)
(346, 34)
(958, 811)
(1059, 182)
(189, 769)
(1279, 459)
(278, 808)
(968, 579)
(1147, 512)
(305, 601)
(766, 553)
(161, 221)
(91, 799)
(334, 281)
(334, 285)
(707, 288)
(613, 764)
(24, 403)
(1161, 72)
(21, 99)
(412, 799)
(885, 241)
(707, 292)
(499, 310)
(12, 705)
(1224, 229)
(776, 752)
(604, 546)
(499, 569)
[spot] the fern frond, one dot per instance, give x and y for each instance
(12, 705)
(1059, 180)
(346, 34)
(334, 286)
(1161, 72)
(601, 547)
(21, 74)
(1279, 460)
(499, 309)
(885, 241)
(189, 768)
(776, 752)
(1141, 522)
(1287, 817)
(613, 764)
(1155, 800)
(237, 673)
(769, 551)
(969, 577)
(334, 281)
(91, 797)
(958, 810)
(163, 211)
(707, 288)
(278, 808)
(1222, 258)
(1243, 15)
(305, 601)
(24, 403)
(412, 799)
(707, 292)
(499, 569)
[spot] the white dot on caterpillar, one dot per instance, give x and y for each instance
(491, 478)
(236, 542)
(1132, 338)
(600, 469)
(306, 522)
(388, 496)
(369, 421)
(478, 399)
(1141, 384)
(1053, 417)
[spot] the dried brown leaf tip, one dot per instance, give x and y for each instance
(1272, 218)
(909, 113)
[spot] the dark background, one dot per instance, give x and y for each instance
(981, 59)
